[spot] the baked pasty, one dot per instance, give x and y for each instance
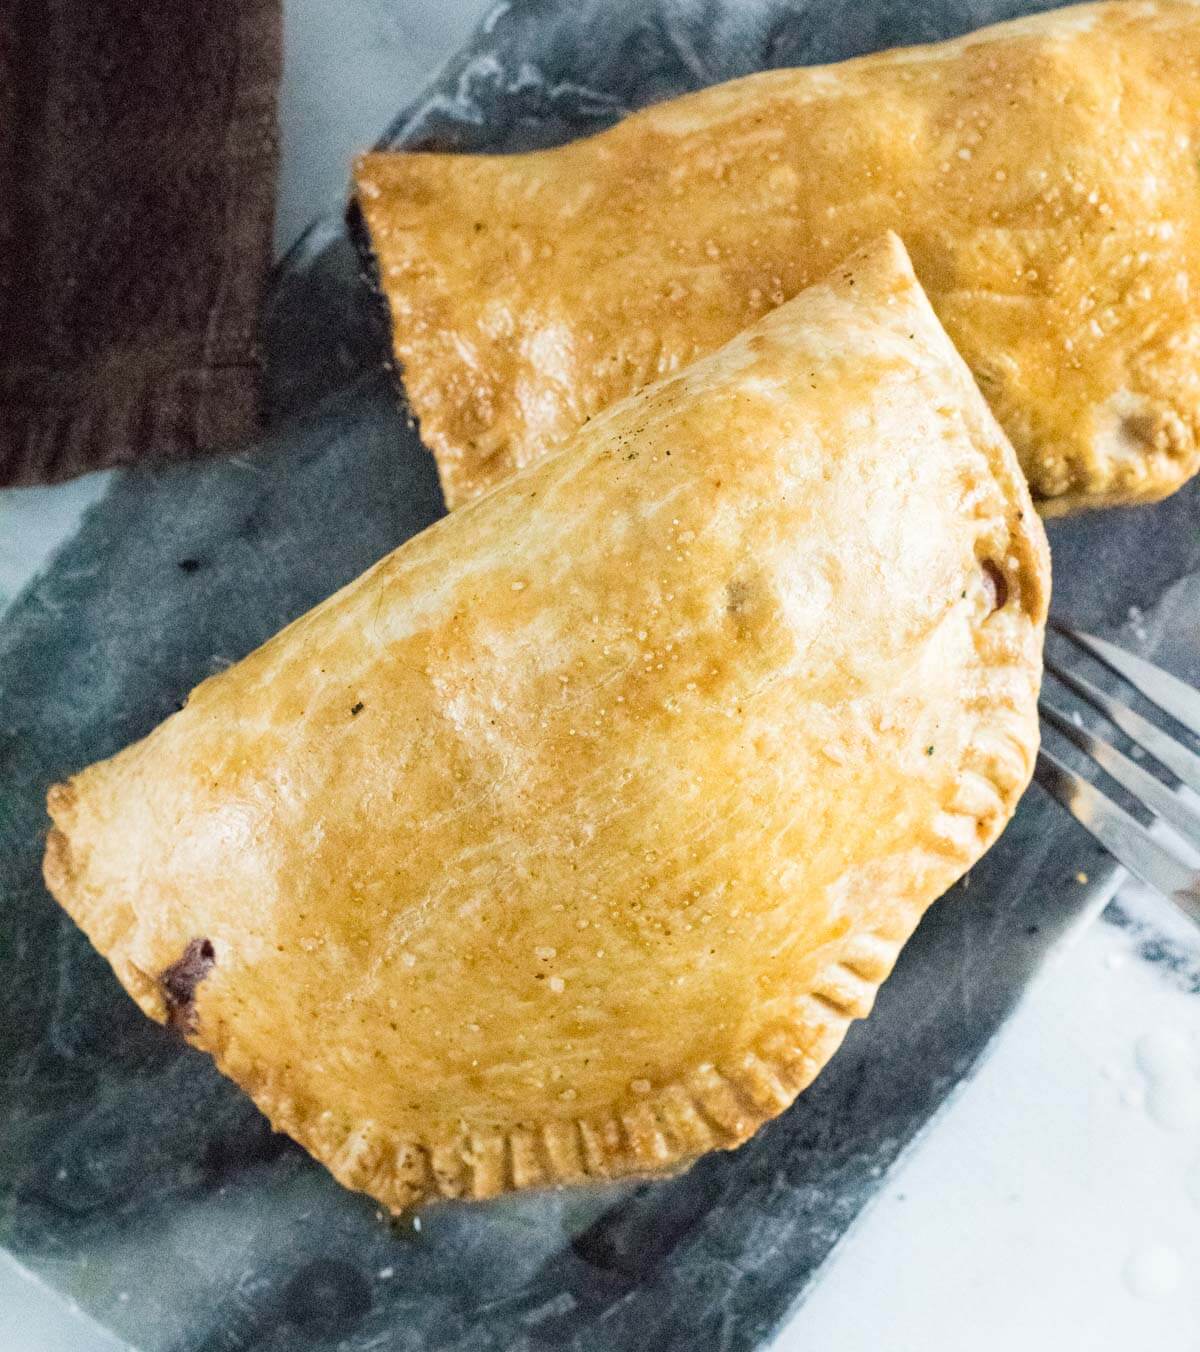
(566, 841)
(1042, 173)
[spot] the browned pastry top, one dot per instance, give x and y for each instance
(567, 840)
(1043, 175)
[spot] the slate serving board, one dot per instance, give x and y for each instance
(136, 1180)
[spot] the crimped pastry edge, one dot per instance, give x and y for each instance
(711, 1107)
(1171, 458)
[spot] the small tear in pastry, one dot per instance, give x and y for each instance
(995, 584)
(179, 981)
(1138, 429)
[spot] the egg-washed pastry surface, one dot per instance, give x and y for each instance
(566, 841)
(1043, 174)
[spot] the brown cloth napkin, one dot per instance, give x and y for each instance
(138, 149)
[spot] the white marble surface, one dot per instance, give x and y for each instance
(1056, 1203)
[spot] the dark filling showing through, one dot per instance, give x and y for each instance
(995, 583)
(179, 981)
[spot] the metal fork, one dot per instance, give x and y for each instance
(1118, 831)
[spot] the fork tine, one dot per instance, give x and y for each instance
(1171, 694)
(1141, 783)
(1121, 835)
(1182, 763)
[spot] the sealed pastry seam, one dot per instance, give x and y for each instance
(560, 913)
(1042, 172)
(714, 1107)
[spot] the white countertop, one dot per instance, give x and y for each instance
(1056, 1203)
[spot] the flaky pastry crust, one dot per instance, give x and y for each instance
(566, 841)
(1042, 173)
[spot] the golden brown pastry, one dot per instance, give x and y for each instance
(566, 841)
(1042, 173)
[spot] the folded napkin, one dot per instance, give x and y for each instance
(138, 149)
